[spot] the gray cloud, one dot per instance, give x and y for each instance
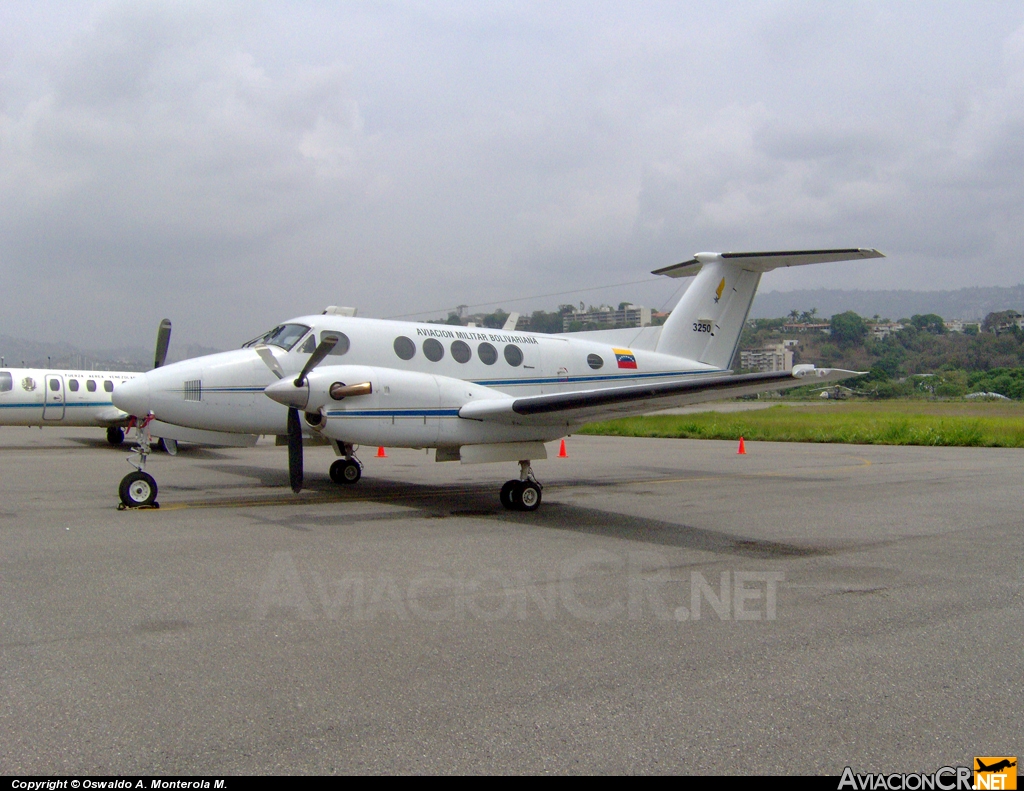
(233, 165)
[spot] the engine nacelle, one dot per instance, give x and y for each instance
(370, 405)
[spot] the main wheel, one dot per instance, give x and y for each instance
(115, 435)
(528, 496)
(137, 489)
(346, 471)
(506, 494)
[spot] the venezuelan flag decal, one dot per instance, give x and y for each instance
(625, 358)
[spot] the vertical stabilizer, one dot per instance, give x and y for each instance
(706, 324)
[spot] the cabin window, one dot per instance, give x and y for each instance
(91, 385)
(405, 348)
(461, 351)
(341, 346)
(73, 385)
(513, 355)
(488, 354)
(595, 361)
(433, 350)
(55, 385)
(6, 381)
(108, 386)
(308, 346)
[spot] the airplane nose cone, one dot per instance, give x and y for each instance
(133, 396)
(285, 392)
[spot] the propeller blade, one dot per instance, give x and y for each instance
(294, 450)
(163, 340)
(327, 342)
(270, 360)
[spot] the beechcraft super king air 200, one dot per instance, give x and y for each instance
(473, 394)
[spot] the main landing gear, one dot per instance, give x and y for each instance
(138, 489)
(347, 470)
(115, 436)
(522, 494)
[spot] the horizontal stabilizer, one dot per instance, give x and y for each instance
(585, 406)
(766, 261)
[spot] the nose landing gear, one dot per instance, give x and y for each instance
(522, 494)
(138, 489)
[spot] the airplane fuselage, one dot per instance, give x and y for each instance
(60, 397)
(421, 376)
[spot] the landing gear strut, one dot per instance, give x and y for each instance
(138, 489)
(347, 470)
(522, 494)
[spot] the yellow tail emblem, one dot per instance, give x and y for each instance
(721, 288)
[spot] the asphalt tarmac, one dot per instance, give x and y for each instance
(673, 607)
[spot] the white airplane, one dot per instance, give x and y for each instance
(63, 397)
(473, 394)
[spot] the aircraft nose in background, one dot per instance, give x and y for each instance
(133, 396)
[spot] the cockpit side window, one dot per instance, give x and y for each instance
(309, 346)
(6, 381)
(284, 335)
(343, 344)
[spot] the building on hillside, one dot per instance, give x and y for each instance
(959, 325)
(1007, 321)
(884, 329)
(608, 318)
(806, 326)
(778, 357)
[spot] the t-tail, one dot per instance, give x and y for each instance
(706, 324)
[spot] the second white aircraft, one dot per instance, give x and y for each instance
(474, 394)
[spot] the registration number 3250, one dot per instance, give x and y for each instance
(702, 326)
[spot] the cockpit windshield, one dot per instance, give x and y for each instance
(285, 336)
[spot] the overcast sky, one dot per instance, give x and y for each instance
(233, 165)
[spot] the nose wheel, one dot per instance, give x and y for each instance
(138, 489)
(522, 494)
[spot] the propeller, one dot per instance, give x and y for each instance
(327, 342)
(163, 340)
(270, 360)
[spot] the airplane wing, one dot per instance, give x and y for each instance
(585, 406)
(112, 417)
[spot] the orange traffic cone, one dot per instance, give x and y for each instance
(381, 454)
(743, 448)
(561, 451)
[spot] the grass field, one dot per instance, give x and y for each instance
(996, 425)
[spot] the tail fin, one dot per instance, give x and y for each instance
(706, 324)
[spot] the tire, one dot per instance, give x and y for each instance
(528, 497)
(346, 471)
(506, 494)
(115, 436)
(137, 489)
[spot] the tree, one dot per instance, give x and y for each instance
(929, 322)
(847, 328)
